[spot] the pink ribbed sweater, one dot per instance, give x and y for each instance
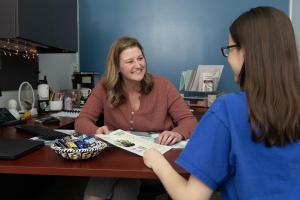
(162, 109)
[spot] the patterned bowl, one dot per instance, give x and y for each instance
(80, 154)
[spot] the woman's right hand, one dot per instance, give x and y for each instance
(102, 130)
(151, 157)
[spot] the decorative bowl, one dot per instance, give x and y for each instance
(80, 154)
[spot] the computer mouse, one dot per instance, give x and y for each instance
(51, 120)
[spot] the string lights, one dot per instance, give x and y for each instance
(19, 47)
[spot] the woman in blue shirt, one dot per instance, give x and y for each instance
(247, 144)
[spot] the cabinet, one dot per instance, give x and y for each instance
(15, 69)
(198, 112)
(197, 106)
(52, 24)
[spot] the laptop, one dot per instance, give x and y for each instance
(11, 149)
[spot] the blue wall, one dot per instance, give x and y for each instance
(176, 34)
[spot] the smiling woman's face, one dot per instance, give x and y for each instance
(132, 64)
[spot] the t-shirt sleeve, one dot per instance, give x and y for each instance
(206, 155)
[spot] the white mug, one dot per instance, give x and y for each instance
(85, 92)
(43, 91)
(55, 105)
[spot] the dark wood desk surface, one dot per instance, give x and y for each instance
(112, 162)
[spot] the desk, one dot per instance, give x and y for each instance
(112, 162)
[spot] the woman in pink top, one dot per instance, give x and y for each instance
(133, 100)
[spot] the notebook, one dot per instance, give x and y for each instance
(11, 149)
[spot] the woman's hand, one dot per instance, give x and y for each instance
(102, 130)
(151, 157)
(169, 138)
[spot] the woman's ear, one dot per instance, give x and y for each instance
(242, 52)
(241, 78)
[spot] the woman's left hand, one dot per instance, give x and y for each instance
(169, 138)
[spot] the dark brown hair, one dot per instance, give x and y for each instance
(112, 79)
(270, 74)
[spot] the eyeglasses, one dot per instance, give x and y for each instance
(226, 50)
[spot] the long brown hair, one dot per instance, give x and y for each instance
(270, 75)
(112, 79)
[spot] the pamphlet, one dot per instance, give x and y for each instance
(152, 137)
(133, 143)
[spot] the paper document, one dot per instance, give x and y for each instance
(66, 131)
(152, 137)
(133, 143)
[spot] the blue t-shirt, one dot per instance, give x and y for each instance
(222, 154)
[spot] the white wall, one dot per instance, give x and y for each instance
(59, 69)
(295, 16)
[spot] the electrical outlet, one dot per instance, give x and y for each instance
(76, 67)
